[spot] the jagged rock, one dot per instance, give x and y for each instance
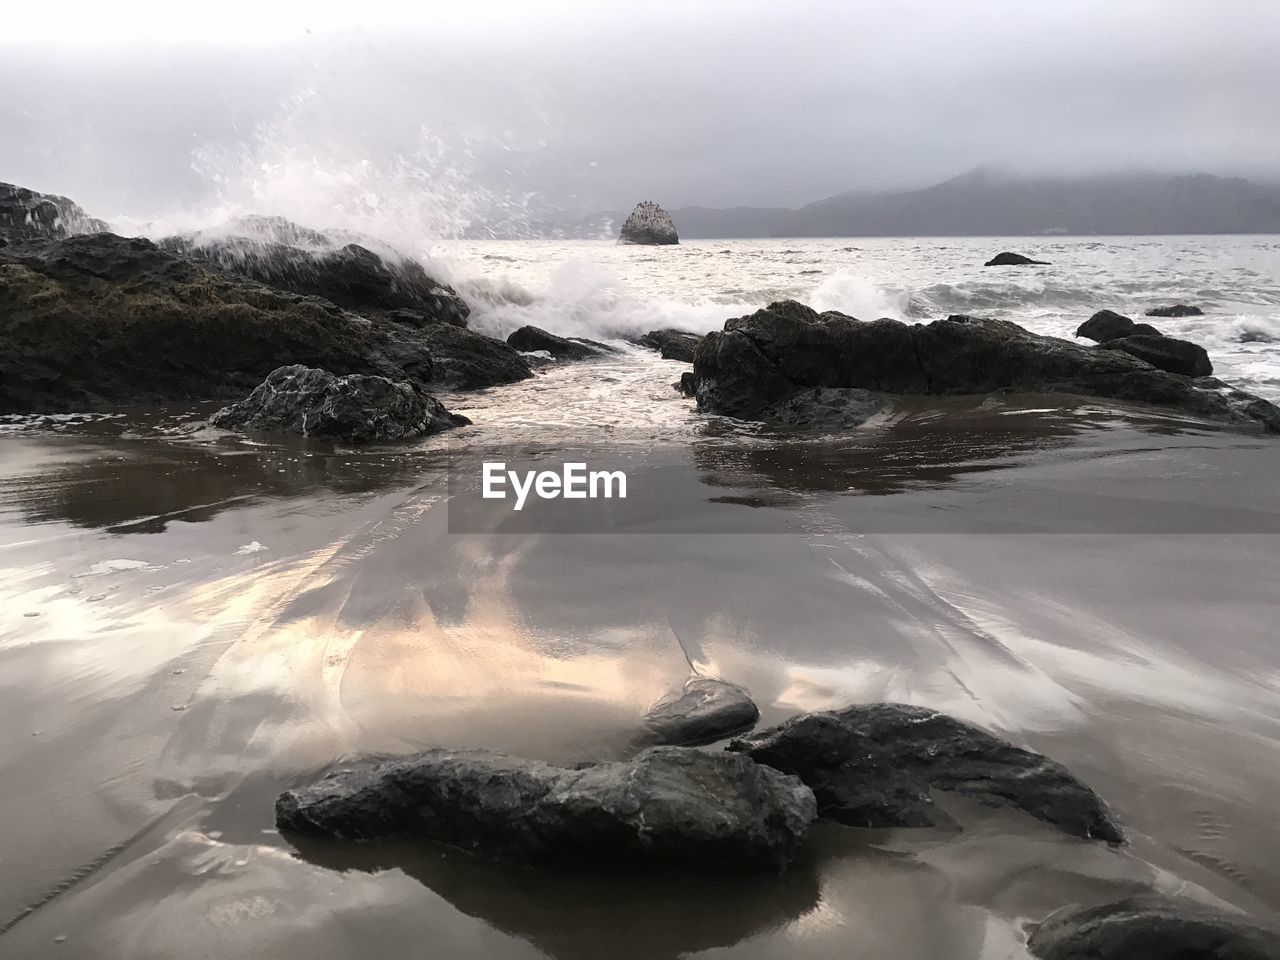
(1177, 310)
(672, 344)
(668, 805)
(703, 711)
(25, 214)
(1166, 353)
(283, 254)
(687, 385)
(1151, 926)
(769, 362)
(873, 765)
(99, 321)
(649, 224)
(1008, 259)
(1106, 325)
(356, 409)
(533, 339)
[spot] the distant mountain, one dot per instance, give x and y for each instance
(987, 202)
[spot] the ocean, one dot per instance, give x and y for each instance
(191, 621)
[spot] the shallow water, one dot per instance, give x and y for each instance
(190, 621)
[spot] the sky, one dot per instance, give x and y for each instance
(453, 113)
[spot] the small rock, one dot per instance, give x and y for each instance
(873, 765)
(1151, 926)
(672, 344)
(1008, 259)
(1166, 353)
(532, 339)
(703, 711)
(1107, 325)
(669, 805)
(356, 408)
(1178, 310)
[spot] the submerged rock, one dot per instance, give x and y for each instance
(687, 385)
(532, 339)
(1177, 310)
(26, 214)
(1152, 927)
(314, 403)
(649, 224)
(1107, 325)
(765, 365)
(703, 711)
(98, 321)
(1008, 259)
(278, 252)
(1167, 353)
(873, 765)
(704, 811)
(672, 344)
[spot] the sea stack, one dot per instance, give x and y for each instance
(649, 224)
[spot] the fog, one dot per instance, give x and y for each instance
(455, 114)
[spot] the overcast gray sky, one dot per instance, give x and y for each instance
(460, 109)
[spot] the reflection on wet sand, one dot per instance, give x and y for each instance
(185, 630)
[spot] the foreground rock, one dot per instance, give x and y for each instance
(1107, 325)
(1008, 259)
(649, 224)
(280, 253)
(873, 765)
(787, 358)
(703, 711)
(1166, 353)
(96, 322)
(26, 214)
(532, 339)
(672, 344)
(1152, 927)
(314, 403)
(704, 811)
(1177, 310)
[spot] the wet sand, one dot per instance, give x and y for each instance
(190, 622)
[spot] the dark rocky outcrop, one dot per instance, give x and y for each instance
(1008, 259)
(669, 805)
(1177, 310)
(356, 408)
(770, 362)
(649, 224)
(282, 254)
(531, 339)
(99, 321)
(687, 385)
(25, 215)
(873, 765)
(672, 344)
(1152, 927)
(703, 711)
(1106, 325)
(1167, 353)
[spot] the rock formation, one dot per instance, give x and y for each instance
(1177, 310)
(873, 765)
(356, 408)
(788, 357)
(1008, 259)
(98, 321)
(1152, 926)
(1165, 353)
(532, 339)
(25, 214)
(282, 254)
(649, 224)
(713, 812)
(672, 344)
(1108, 325)
(703, 711)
